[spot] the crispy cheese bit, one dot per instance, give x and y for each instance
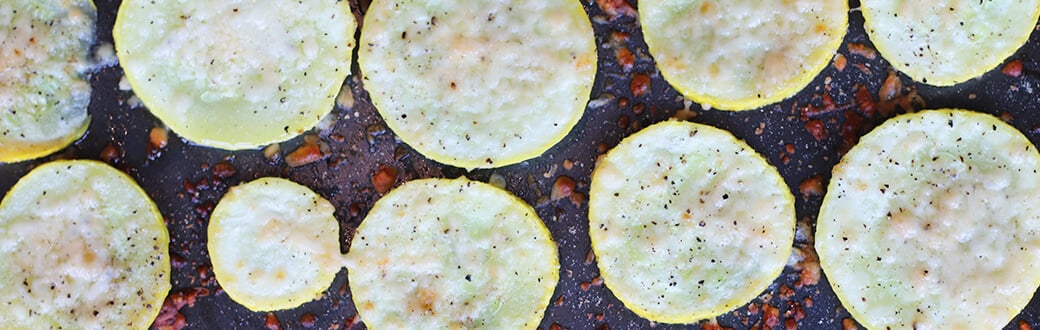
(81, 246)
(931, 221)
(44, 94)
(950, 42)
(478, 84)
(745, 54)
(450, 254)
(687, 222)
(234, 74)
(274, 244)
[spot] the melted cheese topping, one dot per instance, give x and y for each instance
(950, 41)
(687, 222)
(931, 221)
(739, 55)
(274, 244)
(81, 246)
(234, 74)
(450, 254)
(478, 83)
(44, 45)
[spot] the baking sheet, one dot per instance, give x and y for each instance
(181, 180)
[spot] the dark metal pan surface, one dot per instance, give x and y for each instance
(803, 136)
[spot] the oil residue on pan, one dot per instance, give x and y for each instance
(356, 159)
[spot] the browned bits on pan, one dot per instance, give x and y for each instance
(384, 179)
(891, 89)
(795, 313)
(111, 153)
(158, 137)
(562, 188)
(377, 130)
(711, 325)
(596, 281)
(850, 130)
(352, 321)
(202, 272)
(1012, 69)
(559, 301)
(865, 102)
(827, 105)
(790, 324)
(811, 187)
(810, 268)
(892, 96)
(1023, 325)
(1007, 117)
(204, 209)
(202, 184)
(638, 109)
(272, 322)
(177, 261)
(170, 317)
(840, 62)
(555, 326)
(577, 199)
(827, 102)
(616, 8)
(335, 162)
(848, 324)
(863, 68)
(585, 286)
(307, 320)
(305, 154)
(354, 209)
(785, 292)
(862, 50)
(273, 153)
(190, 188)
(640, 85)
(625, 58)
(336, 137)
(752, 308)
(687, 112)
(816, 128)
(224, 170)
(770, 316)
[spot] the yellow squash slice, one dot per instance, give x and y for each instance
(44, 94)
(478, 84)
(81, 246)
(451, 254)
(687, 222)
(236, 74)
(931, 222)
(274, 244)
(944, 43)
(742, 54)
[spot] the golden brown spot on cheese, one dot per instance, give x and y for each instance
(820, 28)
(423, 300)
(707, 7)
